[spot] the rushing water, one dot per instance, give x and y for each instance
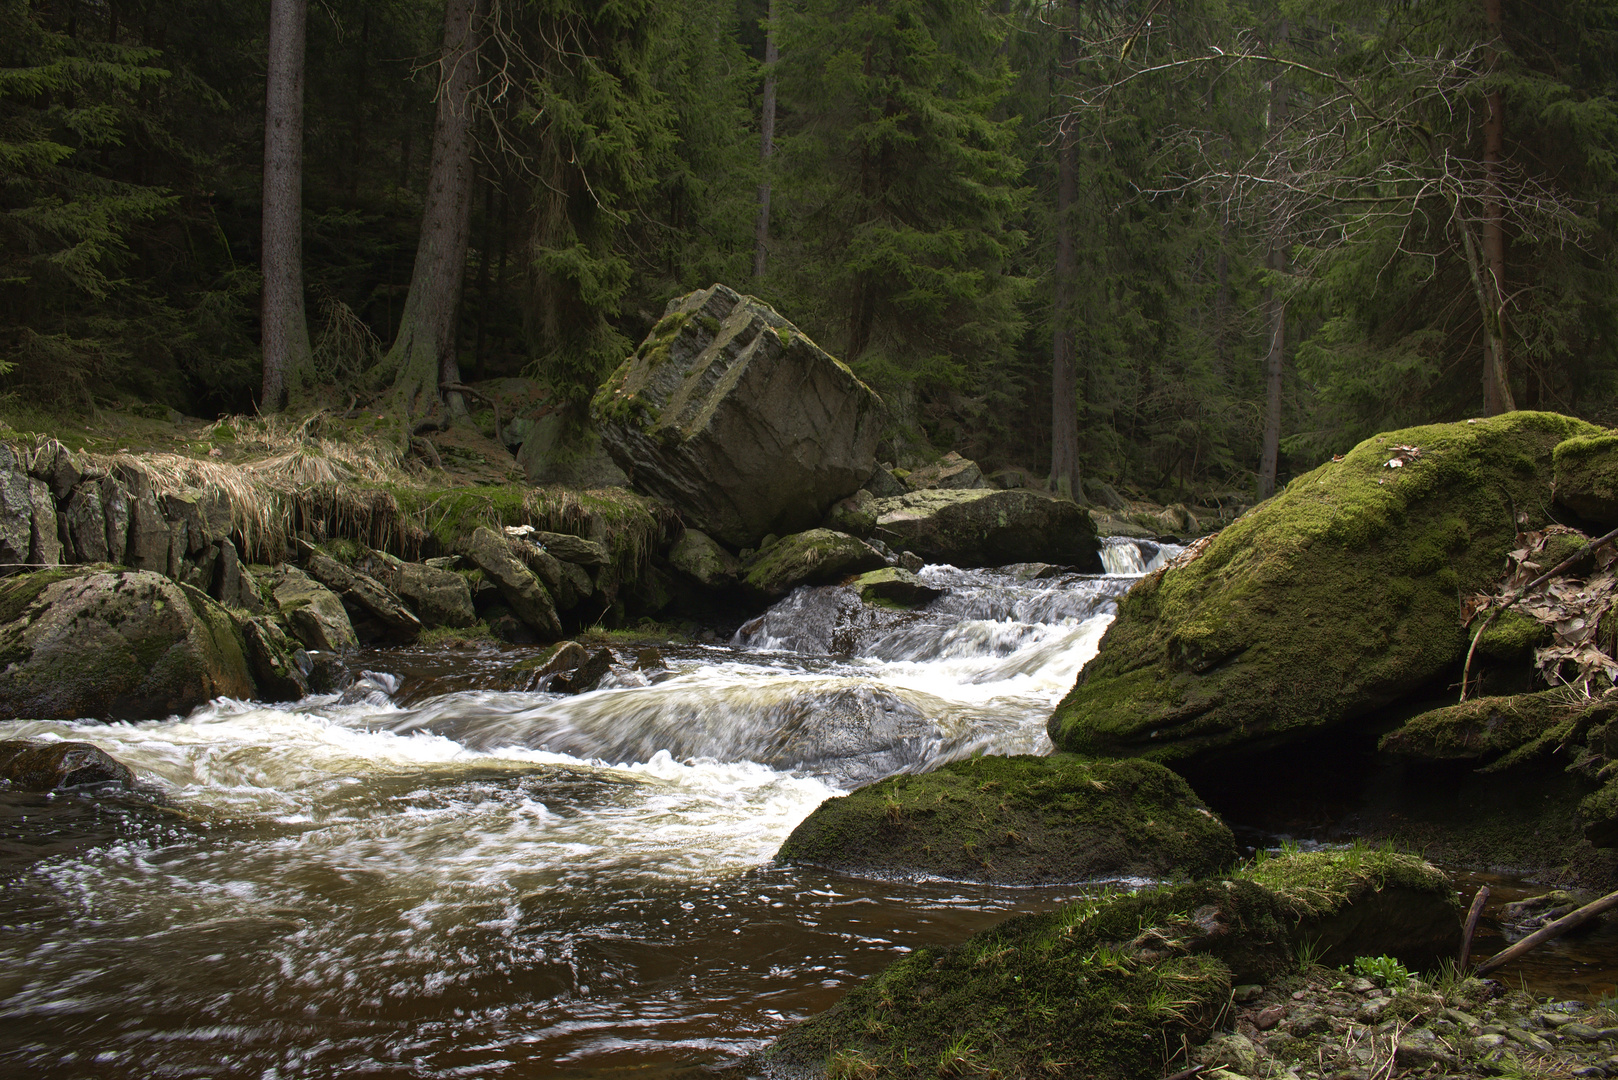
(437, 875)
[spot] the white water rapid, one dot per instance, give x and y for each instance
(484, 882)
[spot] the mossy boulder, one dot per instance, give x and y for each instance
(895, 586)
(1586, 472)
(313, 613)
(734, 416)
(815, 557)
(989, 528)
(103, 643)
(1099, 987)
(1322, 605)
(699, 557)
(1018, 821)
(1502, 729)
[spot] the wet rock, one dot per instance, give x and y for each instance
(952, 471)
(895, 585)
(562, 658)
(315, 615)
(912, 562)
(584, 677)
(1018, 821)
(114, 645)
(517, 584)
(578, 580)
(1349, 575)
(808, 558)
(732, 415)
(650, 659)
(27, 765)
(1523, 917)
(700, 558)
(373, 609)
(278, 668)
(327, 672)
(989, 528)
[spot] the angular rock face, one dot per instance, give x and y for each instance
(732, 415)
(698, 557)
(952, 471)
(113, 645)
(808, 558)
(279, 666)
(373, 610)
(16, 513)
(1018, 821)
(519, 587)
(1324, 604)
(314, 613)
(438, 597)
(989, 528)
(49, 766)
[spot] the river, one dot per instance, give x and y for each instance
(441, 875)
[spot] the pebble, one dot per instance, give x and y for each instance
(1271, 1016)
(1246, 992)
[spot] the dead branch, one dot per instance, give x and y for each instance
(1550, 932)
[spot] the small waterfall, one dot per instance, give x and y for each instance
(1128, 556)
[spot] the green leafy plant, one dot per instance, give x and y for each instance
(1383, 970)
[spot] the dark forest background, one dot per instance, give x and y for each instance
(1174, 246)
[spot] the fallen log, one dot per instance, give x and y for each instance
(1549, 932)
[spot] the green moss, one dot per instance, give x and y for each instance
(709, 323)
(1322, 604)
(1318, 883)
(1018, 820)
(456, 637)
(1486, 728)
(1587, 476)
(812, 557)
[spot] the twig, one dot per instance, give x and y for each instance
(1186, 1074)
(1471, 926)
(1560, 568)
(1550, 933)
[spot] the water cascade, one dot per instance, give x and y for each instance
(483, 880)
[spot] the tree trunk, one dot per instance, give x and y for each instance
(1496, 371)
(1275, 307)
(1065, 478)
(288, 360)
(424, 353)
(766, 144)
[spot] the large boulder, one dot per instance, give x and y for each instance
(373, 609)
(731, 414)
(696, 555)
(1322, 605)
(816, 557)
(438, 596)
(91, 642)
(28, 765)
(1099, 987)
(988, 528)
(1018, 821)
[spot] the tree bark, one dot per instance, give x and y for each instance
(1065, 479)
(1275, 306)
(766, 129)
(1496, 371)
(424, 353)
(288, 359)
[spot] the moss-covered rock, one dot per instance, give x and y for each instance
(1098, 988)
(699, 557)
(1018, 820)
(896, 586)
(1487, 728)
(1331, 600)
(102, 643)
(989, 528)
(808, 558)
(1586, 471)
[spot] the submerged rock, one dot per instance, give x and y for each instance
(90, 642)
(989, 528)
(1018, 821)
(1329, 601)
(27, 765)
(1102, 985)
(732, 415)
(815, 557)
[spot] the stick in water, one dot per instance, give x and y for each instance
(1550, 932)
(1472, 926)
